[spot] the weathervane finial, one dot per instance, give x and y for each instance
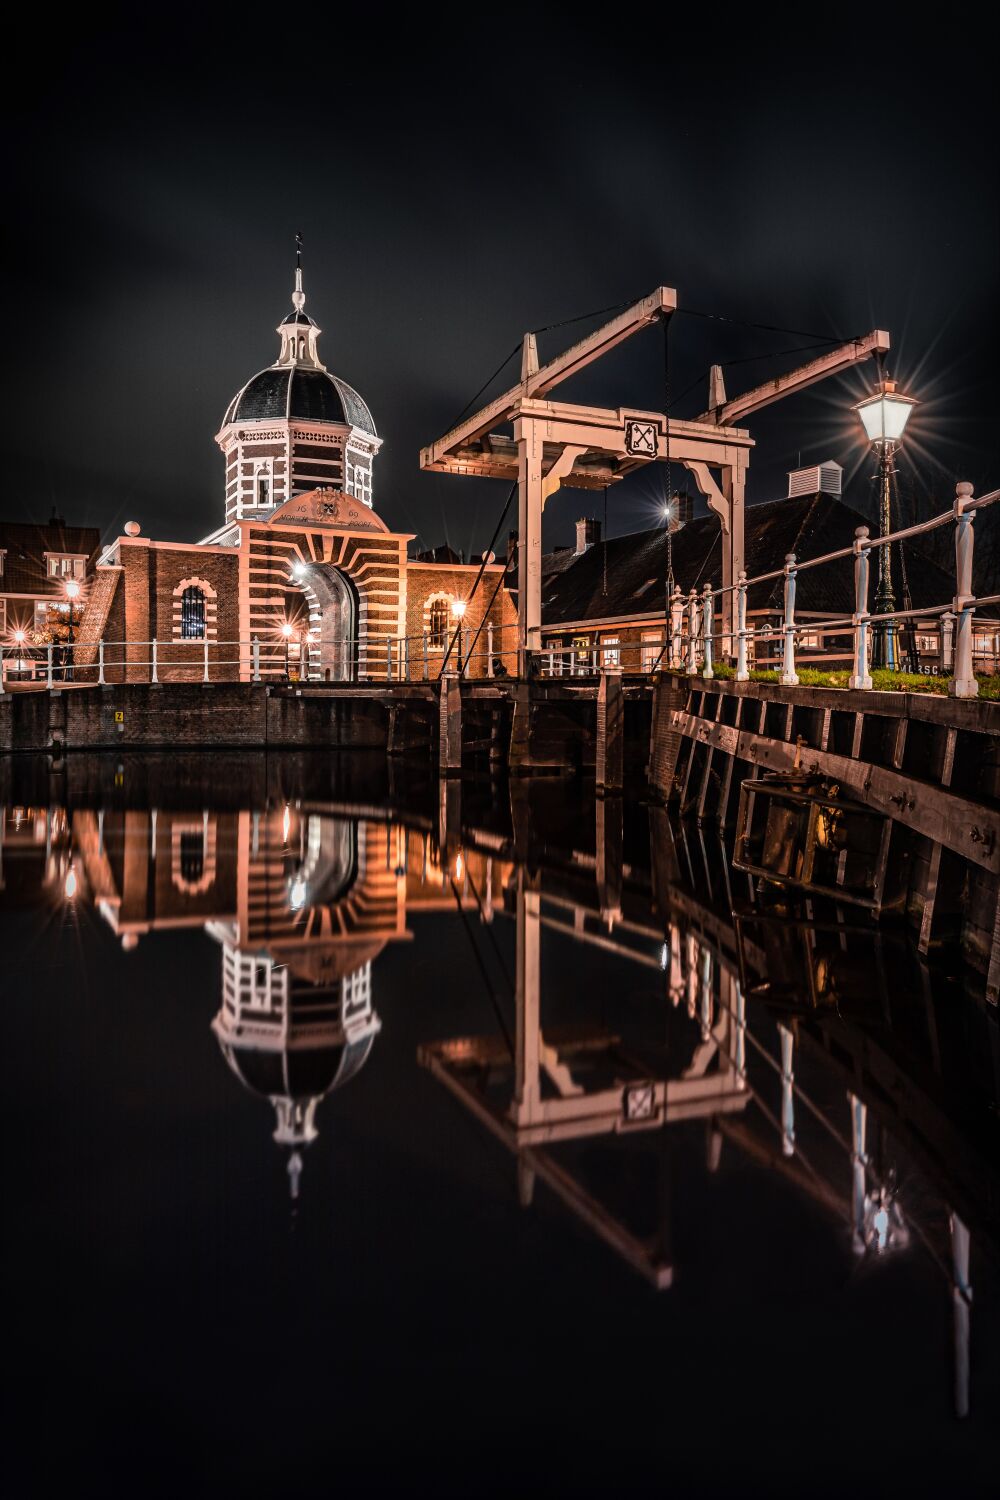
(298, 296)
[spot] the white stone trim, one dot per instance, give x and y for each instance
(211, 609)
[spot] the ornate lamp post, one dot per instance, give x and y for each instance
(287, 630)
(884, 417)
(72, 589)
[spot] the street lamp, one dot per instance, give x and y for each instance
(884, 417)
(72, 591)
(286, 630)
(458, 608)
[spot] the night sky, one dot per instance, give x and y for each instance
(457, 184)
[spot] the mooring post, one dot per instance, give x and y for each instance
(860, 677)
(676, 627)
(707, 626)
(450, 725)
(742, 672)
(963, 684)
(100, 663)
(787, 1091)
(610, 730)
(692, 633)
(788, 674)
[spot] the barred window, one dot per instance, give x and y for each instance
(192, 614)
(437, 623)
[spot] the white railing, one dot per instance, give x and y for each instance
(304, 657)
(690, 641)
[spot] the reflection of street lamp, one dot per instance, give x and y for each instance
(884, 417)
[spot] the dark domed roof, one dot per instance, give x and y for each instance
(300, 1073)
(287, 391)
(299, 317)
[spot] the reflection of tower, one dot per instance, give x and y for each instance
(317, 899)
(293, 1039)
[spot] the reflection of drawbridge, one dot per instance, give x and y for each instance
(557, 1087)
(549, 1089)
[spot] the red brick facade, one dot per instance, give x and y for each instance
(324, 564)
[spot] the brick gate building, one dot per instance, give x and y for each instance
(303, 578)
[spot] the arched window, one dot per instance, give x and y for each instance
(438, 619)
(192, 614)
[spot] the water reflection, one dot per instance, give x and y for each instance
(797, 1037)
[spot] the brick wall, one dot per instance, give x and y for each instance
(426, 581)
(152, 576)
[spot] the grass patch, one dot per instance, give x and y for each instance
(883, 681)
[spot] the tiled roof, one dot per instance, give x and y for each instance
(633, 582)
(25, 544)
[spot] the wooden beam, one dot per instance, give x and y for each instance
(658, 304)
(831, 363)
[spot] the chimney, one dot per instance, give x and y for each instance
(588, 531)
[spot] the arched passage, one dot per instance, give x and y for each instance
(333, 621)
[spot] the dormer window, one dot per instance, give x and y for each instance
(65, 565)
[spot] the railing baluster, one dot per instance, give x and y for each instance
(964, 683)
(100, 663)
(861, 677)
(707, 625)
(205, 653)
(742, 672)
(49, 666)
(788, 673)
(154, 677)
(692, 633)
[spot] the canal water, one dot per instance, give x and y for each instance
(370, 1138)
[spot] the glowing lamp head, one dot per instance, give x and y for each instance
(287, 629)
(72, 589)
(298, 570)
(885, 415)
(20, 636)
(458, 608)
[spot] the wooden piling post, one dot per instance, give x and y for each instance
(610, 731)
(450, 738)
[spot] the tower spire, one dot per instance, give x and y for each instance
(298, 296)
